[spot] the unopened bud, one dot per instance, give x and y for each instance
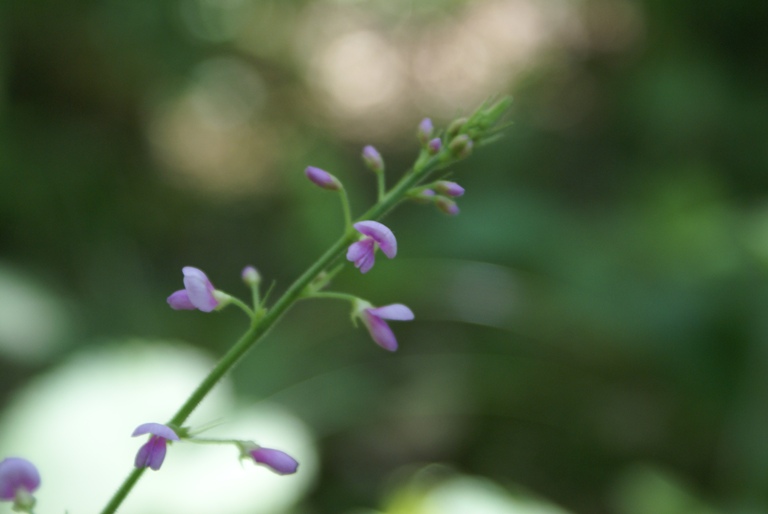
(423, 196)
(250, 276)
(425, 131)
(455, 127)
(461, 146)
(434, 146)
(447, 205)
(372, 159)
(322, 178)
(449, 188)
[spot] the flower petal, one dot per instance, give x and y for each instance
(396, 311)
(17, 473)
(157, 429)
(362, 254)
(279, 462)
(380, 331)
(152, 453)
(180, 301)
(381, 234)
(199, 289)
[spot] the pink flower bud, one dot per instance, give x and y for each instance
(447, 205)
(372, 159)
(322, 178)
(276, 460)
(425, 131)
(449, 188)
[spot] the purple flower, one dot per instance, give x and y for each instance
(17, 476)
(198, 292)
(322, 178)
(152, 453)
(374, 317)
(372, 159)
(425, 130)
(449, 188)
(362, 253)
(279, 462)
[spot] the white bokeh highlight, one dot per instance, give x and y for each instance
(75, 424)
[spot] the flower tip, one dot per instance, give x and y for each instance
(425, 130)
(322, 178)
(276, 460)
(449, 188)
(447, 206)
(373, 159)
(434, 146)
(250, 276)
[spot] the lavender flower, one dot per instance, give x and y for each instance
(374, 317)
(152, 453)
(322, 178)
(362, 253)
(449, 188)
(198, 292)
(18, 479)
(425, 130)
(372, 159)
(276, 460)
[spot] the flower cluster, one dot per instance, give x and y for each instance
(362, 239)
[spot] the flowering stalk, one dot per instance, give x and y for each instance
(476, 129)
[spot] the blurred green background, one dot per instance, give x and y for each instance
(592, 327)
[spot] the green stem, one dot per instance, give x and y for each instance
(381, 186)
(335, 296)
(239, 303)
(121, 493)
(294, 293)
(345, 207)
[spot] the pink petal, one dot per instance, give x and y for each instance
(381, 234)
(180, 301)
(157, 429)
(199, 289)
(17, 473)
(396, 311)
(279, 462)
(362, 254)
(380, 331)
(151, 454)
